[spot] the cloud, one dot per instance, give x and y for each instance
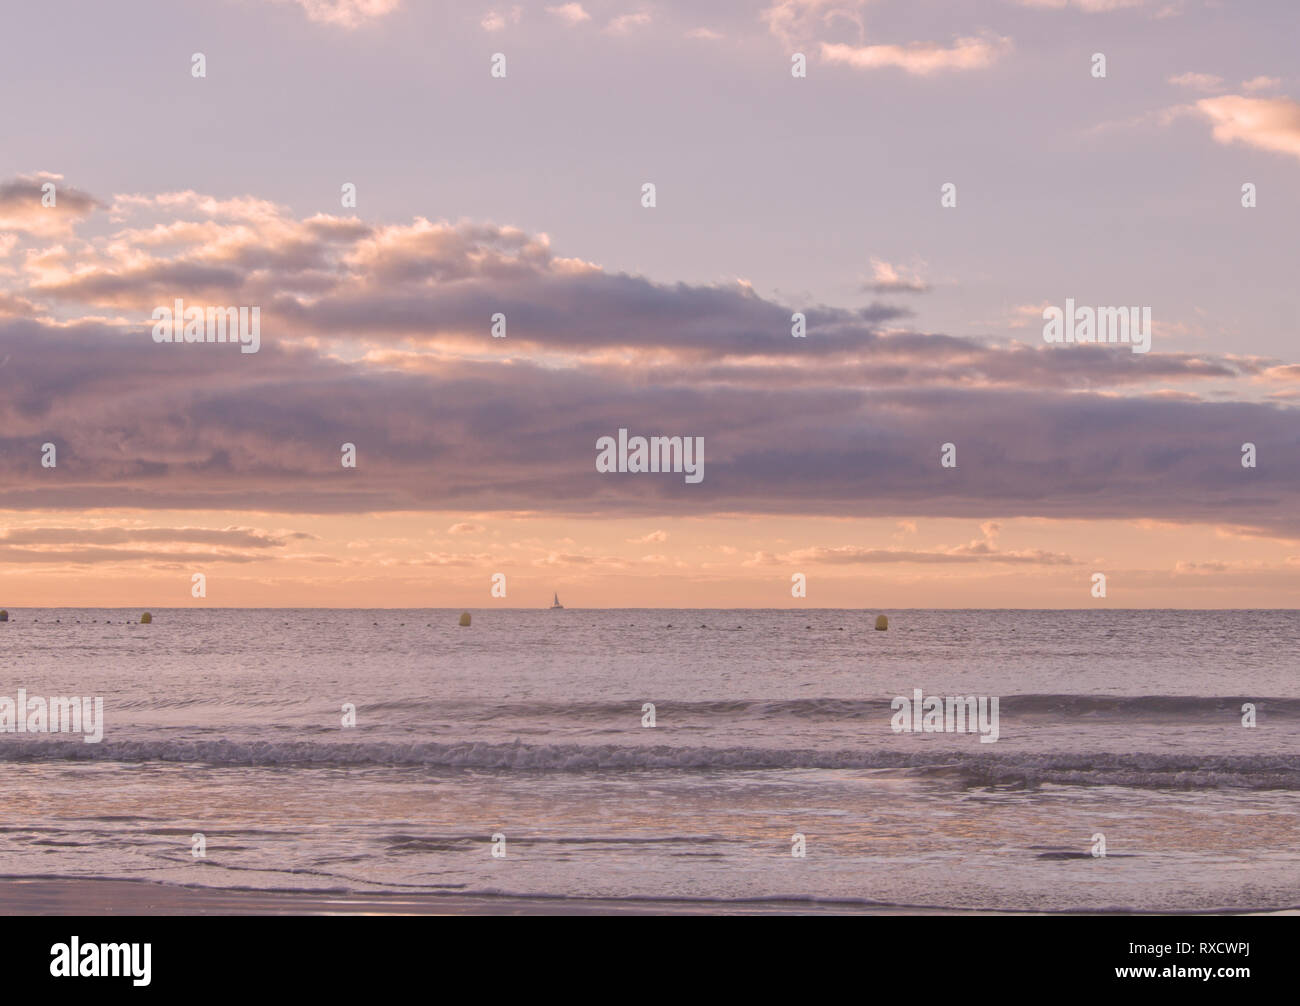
(800, 21)
(346, 13)
(886, 278)
(1087, 6)
(921, 58)
(1261, 84)
(855, 555)
(575, 559)
(431, 285)
(653, 536)
(495, 21)
(1265, 123)
(11, 304)
(89, 555)
(22, 208)
(377, 334)
(626, 23)
(1185, 568)
(455, 559)
(414, 297)
(80, 546)
(234, 537)
(982, 549)
(571, 12)
(1197, 81)
(466, 527)
(1284, 373)
(138, 425)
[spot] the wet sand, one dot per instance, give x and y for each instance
(26, 896)
(67, 896)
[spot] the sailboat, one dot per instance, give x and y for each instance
(557, 606)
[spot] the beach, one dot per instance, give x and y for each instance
(51, 896)
(574, 762)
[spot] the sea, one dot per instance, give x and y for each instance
(1144, 761)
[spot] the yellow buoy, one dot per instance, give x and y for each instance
(882, 623)
(4, 616)
(464, 618)
(146, 619)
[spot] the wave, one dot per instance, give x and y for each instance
(972, 768)
(1148, 707)
(1118, 706)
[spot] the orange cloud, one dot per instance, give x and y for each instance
(921, 58)
(1266, 123)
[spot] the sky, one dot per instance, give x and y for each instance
(206, 152)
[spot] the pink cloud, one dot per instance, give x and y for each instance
(1266, 123)
(921, 58)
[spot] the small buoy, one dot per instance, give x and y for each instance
(882, 623)
(4, 616)
(146, 619)
(464, 618)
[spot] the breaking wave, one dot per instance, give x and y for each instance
(975, 768)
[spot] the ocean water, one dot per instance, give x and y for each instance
(768, 724)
